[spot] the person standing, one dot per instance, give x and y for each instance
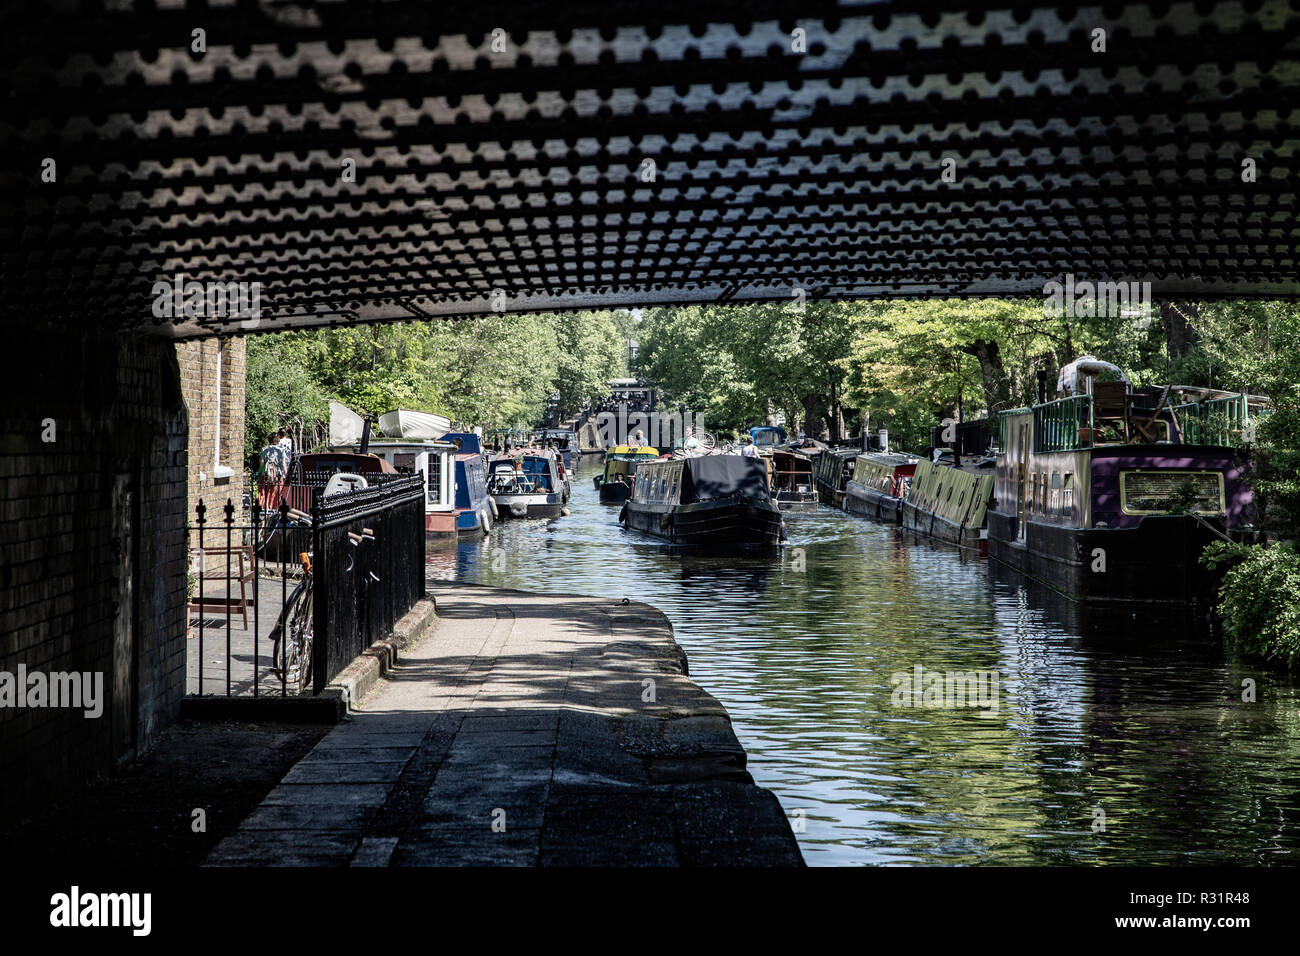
(272, 469)
(286, 446)
(749, 450)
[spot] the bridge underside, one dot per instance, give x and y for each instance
(379, 161)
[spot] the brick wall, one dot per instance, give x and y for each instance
(92, 547)
(210, 418)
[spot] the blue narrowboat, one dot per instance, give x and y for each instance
(767, 436)
(473, 506)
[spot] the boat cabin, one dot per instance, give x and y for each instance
(790, 480)
(434, 461)
(766, 436)
(889, 474)
(1111, 492)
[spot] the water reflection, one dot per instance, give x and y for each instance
(1134, 723)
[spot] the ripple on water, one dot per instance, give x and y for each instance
(1138, 718)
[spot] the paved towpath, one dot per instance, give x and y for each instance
(522, 730)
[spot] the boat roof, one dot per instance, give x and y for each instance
(469, 442)
(634, 450)
(395, 444)
(892, 459)
(331, 460)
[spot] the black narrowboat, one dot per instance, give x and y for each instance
(715, 501)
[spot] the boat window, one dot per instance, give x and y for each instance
(1067, 496)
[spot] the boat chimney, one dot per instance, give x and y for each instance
(884, 439)
(365, 435)
(1042, 385)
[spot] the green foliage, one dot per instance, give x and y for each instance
(280, 390)
(1259, 599)
(497, 371)
(592, 349)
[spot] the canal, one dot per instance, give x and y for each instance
(1108, 741)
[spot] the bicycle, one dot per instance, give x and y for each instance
(294, 632)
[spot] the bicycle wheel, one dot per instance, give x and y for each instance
(301, 634)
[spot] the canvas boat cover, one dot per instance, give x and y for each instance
(1072, 380)
(345, 425)
(418, 426)
(719, 476)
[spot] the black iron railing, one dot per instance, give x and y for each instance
(369, 565)
(365, 550)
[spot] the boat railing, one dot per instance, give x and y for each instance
(1227, 421)
(1064, 425)
(1002, 423)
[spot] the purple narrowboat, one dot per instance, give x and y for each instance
(1110, 494)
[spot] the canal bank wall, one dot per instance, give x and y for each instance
(525, 729)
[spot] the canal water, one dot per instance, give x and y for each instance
(1104, 741)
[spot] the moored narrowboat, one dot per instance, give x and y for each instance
(790, 480)
(1110, 494)
(948, 499)
(434, 462)
(526, 486)
(711, 501)
(473, 505)
(832, 469)
(879, 485)
(614, 484)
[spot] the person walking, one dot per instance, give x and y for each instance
(272, 468)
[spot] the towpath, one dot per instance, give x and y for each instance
(525, 729)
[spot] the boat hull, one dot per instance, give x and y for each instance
(1156, 562)
(794, 501)
(614, 492)
(474, 522)
(440, 527)
(870, 503)
(933, 525)
(719, 523)
(528, 506)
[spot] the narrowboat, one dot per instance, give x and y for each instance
(767, 436)
(615, 482)
(790, 480)
(948, 499)
(1110, 494)
(711, 501)
(474, 507)
(880, 483)
(565, 443)
(831, 471)
(526, 486)
(434, 461)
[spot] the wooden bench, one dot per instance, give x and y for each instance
(235, 565)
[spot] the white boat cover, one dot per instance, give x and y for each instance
(345, 426)
(412, 425)
(1073, 377)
